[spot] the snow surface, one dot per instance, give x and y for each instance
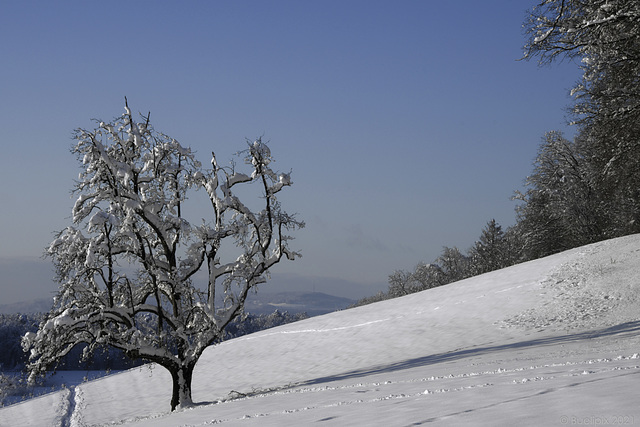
(554, 341)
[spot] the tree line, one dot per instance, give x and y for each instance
(14, 326)
(581, 190)
(493, 250)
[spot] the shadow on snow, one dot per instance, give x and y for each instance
(629, 328)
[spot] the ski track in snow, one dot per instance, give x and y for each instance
(72, 408)
(412, 389)
(306, 331)
(63, 409)
(77, 408)
(69, 408)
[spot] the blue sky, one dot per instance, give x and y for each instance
(407, 124)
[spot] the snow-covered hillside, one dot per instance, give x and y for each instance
(550, 342)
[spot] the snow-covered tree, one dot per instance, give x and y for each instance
(126, 266)
(450, 266)
(404, 282)
(489, 252)
(453, 266)
(12, 329)
(604, 36)
(561, 207)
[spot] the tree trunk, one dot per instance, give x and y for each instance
(181, 377)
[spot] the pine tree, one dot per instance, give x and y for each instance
(488, 253)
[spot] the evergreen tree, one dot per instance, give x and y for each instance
(488, 253)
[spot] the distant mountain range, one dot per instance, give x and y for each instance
(42, 305)
(312, 303)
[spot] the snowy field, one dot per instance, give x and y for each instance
(550, 342)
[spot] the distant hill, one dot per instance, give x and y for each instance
(312, 303)
(27, 307)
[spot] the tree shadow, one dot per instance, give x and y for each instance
(629, 328)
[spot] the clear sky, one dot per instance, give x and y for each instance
(407, 124)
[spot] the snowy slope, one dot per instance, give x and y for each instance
(548, 342)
